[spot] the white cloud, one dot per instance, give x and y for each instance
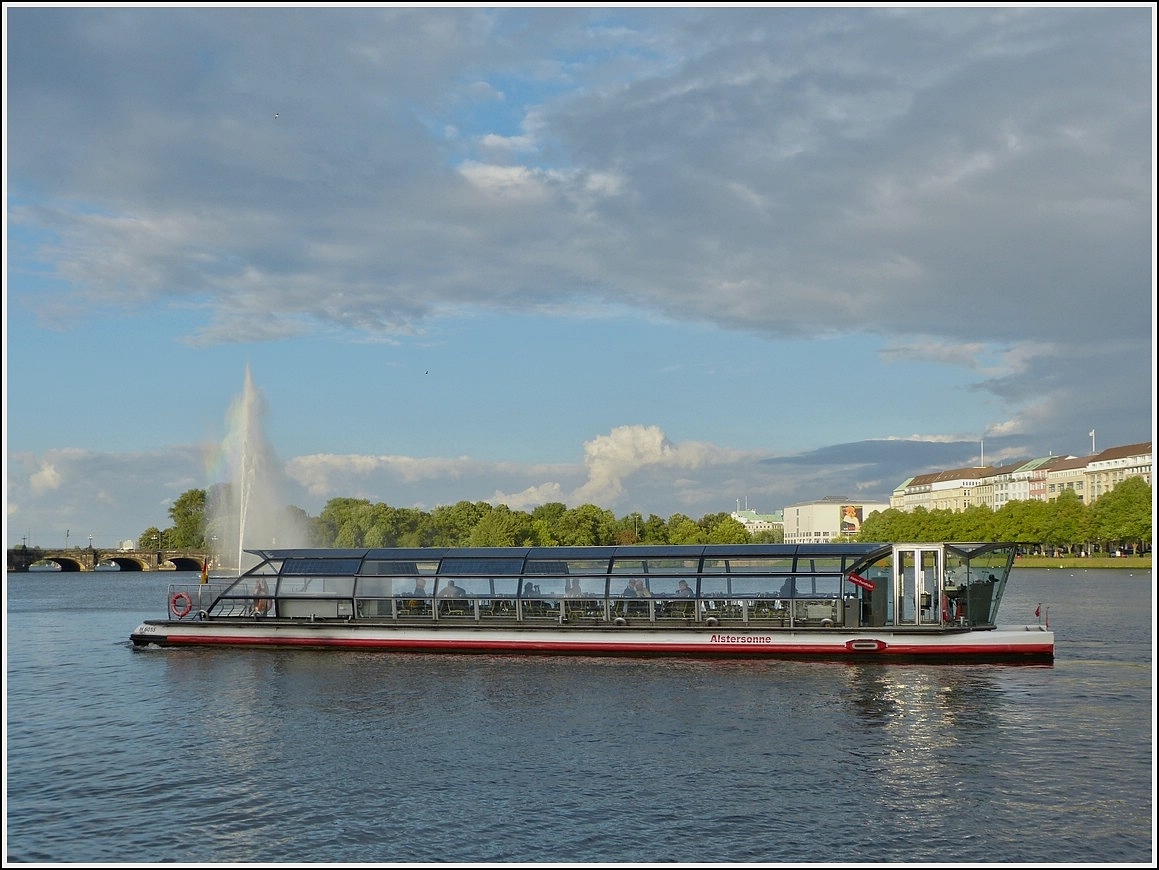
(611, 459)
(530, 498)
(45, 480)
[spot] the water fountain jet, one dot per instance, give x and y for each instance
(249, 508)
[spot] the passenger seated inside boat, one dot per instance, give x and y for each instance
(452, 591)
(636, 589)
(683, 590)
(419, 599)
(261, 605)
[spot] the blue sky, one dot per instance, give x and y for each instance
(658, 260)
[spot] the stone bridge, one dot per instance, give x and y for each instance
(88, 558)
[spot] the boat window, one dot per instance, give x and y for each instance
(629, 566)
(714, 587)
(464, 565)
(818, 586)
(376, 587)
(544, 587)
(762, 565)
(473, 587)
(567, 566)
(757, 586)
(320, 566)
(820, 563)
(671, 566)
(665, 587)
(505, 587)
(316, 587)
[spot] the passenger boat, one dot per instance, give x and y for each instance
(859, 601)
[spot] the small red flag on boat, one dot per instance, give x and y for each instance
(1038, 610)
(205, 571)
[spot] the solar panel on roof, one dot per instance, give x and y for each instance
(481, 565)
(321, 566)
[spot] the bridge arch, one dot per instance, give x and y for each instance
(67, 565)
(128, 563)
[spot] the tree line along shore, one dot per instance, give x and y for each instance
(1063, 529)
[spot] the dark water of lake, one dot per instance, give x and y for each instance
(216, 756)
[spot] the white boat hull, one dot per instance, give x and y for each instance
(1003, 642)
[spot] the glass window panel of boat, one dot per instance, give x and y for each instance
(757, 565)
(377, 587)
(878, 573)
(502, 587)
(628, 566)
(667, 586)
(714, 586)
(956, 569)
(545, 587)
(820, 563)
(757, 585)
(316, 587)
(991, 562)
(473, 587)
(571, 567)
(818, 586)
(671, 566)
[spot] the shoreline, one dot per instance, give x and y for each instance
(1141, 563)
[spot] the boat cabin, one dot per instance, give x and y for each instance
(792, 586)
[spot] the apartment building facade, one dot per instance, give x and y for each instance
(1042, 479)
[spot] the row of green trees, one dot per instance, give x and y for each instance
(1120, 519)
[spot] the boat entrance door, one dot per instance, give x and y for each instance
(917, 587)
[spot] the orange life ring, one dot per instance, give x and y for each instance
(180, 604)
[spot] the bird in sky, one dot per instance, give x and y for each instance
(275, 114)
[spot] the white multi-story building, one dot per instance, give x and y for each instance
(820, 521)
(755, 522)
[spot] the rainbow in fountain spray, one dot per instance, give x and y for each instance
(246, 503)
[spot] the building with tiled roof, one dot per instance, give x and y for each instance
(1042, 479)
(1113, 466)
